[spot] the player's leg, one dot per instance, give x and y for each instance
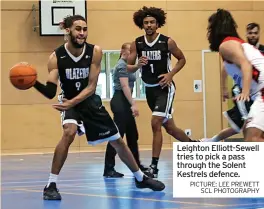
(70, 124)
(152, 95)
(223, 134)
(235, 121)
(254, 128)
(132, 138)
(254, 135)
(176, 132)
(166, 99)
(141, 180)
(99, 127)
(110, 154)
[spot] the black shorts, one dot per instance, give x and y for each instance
(237, 115)
(160, 100)
(92, 118)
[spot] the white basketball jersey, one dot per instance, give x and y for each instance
(256, 58)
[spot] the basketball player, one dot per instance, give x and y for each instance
(234, 117)
(77, 65)
(154, 52)
(243, 60)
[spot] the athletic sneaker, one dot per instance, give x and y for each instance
(152, 172)
(112, 173)
(142, 167)
(51, 192)
(150, 183)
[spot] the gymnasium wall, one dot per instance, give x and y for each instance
(30, 124)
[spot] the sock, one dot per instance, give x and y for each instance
(52, 178)
(215, 139)
(139, 175)
(155, 161)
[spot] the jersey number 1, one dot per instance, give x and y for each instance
(151, 68)
(78, 85)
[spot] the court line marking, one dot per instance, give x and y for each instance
(144, 199)
(69, 180)
(147, 199)
(79, 185)
(121, 197)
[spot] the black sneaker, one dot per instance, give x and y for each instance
(51, 192)
(152, 172)
(143, 168)
(112, 174)
(150, 183)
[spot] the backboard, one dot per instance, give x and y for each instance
(52, 12)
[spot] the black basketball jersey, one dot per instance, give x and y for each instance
(74, 71)
(158, 57)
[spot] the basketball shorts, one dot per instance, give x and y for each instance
(160, 101)
(237, 115)
(256, 114)
(92, 118)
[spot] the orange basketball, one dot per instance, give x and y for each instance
(23, 75)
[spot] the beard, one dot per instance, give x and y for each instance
(74, 41)
(253, 41)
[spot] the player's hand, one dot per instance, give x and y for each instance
(244, 96)
(67, 104)
(135, 111)
(165, 80)
(143, 60)
(225, 95)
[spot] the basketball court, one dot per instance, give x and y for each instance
(82, 186)
(81, 182)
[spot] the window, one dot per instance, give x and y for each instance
(105, 81)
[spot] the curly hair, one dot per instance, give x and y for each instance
(221, 25)
(69, 20)
(157, 13)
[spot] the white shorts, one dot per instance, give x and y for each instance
(256, 114)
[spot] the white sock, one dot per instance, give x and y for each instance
(215, 139)
(52, 178)
(139, 175)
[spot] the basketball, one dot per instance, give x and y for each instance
(23, 76)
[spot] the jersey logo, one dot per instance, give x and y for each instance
(87, 56)
(152, 55)
(63, 57)
(162, 42)
(77, 73)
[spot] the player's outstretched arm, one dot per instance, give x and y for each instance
(49, 90)
(95, 70)
(232, 51)
(131, 66)
(178, 54)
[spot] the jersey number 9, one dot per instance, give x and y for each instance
(78, 85)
